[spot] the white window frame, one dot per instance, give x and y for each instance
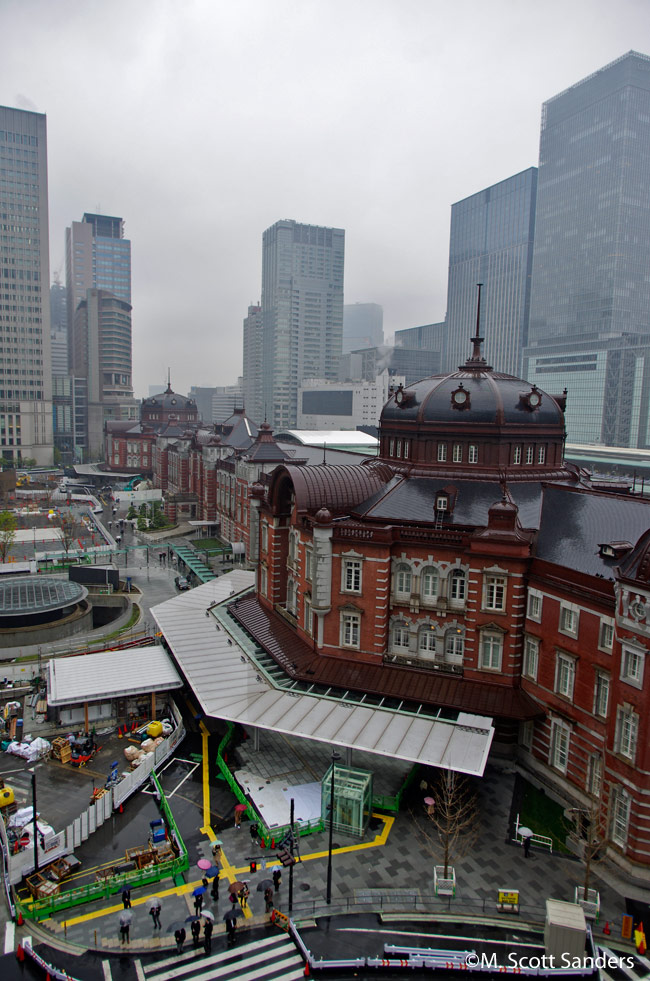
(535, 604)
(308, 615)
(429, 573)
(472, 453)
(309, 558)
(530, 455)
(531, 657)
(427, 634)
(400, 638)
(458, 585)
(454, 645)
(350, 629)
(526, 734)
(559, 745)
(620, 818)
(594, 779)
(632, 666)
(265, 536)
(351, 575)
(516, 455)
(569, 620)
(442, 453)
(403, 573)
(292, 596)
(442, 502)
(601, 694)
(565, 674)
(606, 634)
(263, 581)
(541, 454)
(491, 650)
(457, 453)
(495, 592)
(627, 732)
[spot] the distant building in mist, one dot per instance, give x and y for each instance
(370, 362)
(426, 337)
(589, 313)
(363, 326)
(25, 370)
(302, 314)
(491, 242)
(253, 360)
(344, 405)
(59, 328)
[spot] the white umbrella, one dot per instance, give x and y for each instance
(526, 832)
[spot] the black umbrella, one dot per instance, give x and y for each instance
(192, 919)
(232, 914)
(264, 884)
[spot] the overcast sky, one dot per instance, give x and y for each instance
(202, 122)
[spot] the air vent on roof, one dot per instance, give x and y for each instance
(614, 550)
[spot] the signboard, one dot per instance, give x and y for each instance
(509, 897)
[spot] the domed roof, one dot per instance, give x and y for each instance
(169, 400)
(475, 394)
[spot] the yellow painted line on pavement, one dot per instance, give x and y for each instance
(233, 872)
(206, 777)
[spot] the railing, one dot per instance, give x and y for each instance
(542, 840)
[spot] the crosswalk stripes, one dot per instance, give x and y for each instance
(269, 959)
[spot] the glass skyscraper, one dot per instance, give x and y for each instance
(302, 313)
(25, 359)
(589, 328)
(491, 242)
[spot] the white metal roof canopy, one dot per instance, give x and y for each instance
(110, 674)
(228, 685)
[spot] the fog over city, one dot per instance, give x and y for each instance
(201, 123)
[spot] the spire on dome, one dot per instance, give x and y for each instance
(169, 382)
(476, 362)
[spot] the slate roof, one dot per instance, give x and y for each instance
(575, 523)
(412, 499)
(337, 488)
(413, 685)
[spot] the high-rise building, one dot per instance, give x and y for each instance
(425, 337)
(59, 328)
(363, 326)
(25, 360)
(491, 242)
(589, 327)
(302, 312)
(101, 348)
(253, 360)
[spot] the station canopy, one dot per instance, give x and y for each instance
(219, 662)
(110, 674)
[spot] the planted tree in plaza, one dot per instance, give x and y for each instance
(67, 530)
(450, 824)
(8, 526)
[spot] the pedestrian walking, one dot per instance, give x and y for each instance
(126, 898)
(527, 846)
(216, 851)
(238, 820)
(179, 937)
(207, 936)
(231, 927)
(215, 888)
(253, 833)
(277, 879)
(196, 932)
(243, 897)
(124, 933)
(154, 913)
(268, 898)
(198, 904)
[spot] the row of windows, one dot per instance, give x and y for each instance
(528, 454)
(631, 671)
(569, 620)
(625, 743)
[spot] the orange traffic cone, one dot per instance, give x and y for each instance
(20, 917)
(307, 971)
(606, 929)
(20, 953)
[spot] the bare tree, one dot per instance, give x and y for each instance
(591, 832)
(67, 530)
(8, 526)
(451, 823)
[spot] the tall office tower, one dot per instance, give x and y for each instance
(101, 349)
(59, 328)
(25, 362)
(426, 337)
(491, 242)
(302, 312)
(253, 359)
(363, 326)
(589, 315)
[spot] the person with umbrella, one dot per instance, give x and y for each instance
(198, 899)
(231, 924)
(154, 911)
(196, 931)
(268, 898)
(239, 810)
(179, 937)
(216, 850)
(125, 925)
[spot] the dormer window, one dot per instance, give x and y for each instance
(460, 398)
(442, 502)
(532, 399)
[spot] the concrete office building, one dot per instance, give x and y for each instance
(25, 358)
(344, 405)
(302, 312)
(491, 242)
(253, 359)
(363, 326)
(370, 362)
(589, 328)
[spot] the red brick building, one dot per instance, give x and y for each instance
(470, 568)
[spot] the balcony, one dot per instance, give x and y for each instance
(413, 661)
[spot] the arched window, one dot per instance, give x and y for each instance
(454, 645)
(427, 642)
(429, 584)
(400, 643)
(457, 587)
(403, 580)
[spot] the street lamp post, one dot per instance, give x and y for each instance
(335, 758)
(35, 826)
